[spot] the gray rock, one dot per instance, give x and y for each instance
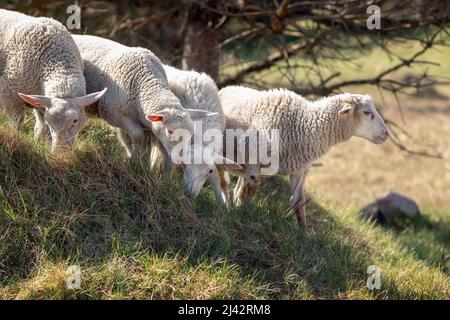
(394, 204)
(371, 212)
(390, 206)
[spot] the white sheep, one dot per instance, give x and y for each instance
(139, 102)
(198, 90)
(307, 129)
(38, 56)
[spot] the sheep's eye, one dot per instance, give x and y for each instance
(75, 120)
(211, 171)
(252, 177)
(369, 113)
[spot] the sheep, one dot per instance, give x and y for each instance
(139, 102)
(198, 90)
(38, 56)
(307, 129)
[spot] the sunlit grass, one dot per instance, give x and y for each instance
(135, 235)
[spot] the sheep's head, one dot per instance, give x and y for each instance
(64, 116)
(195, 175)
(170, 125)
(252, 179)
(365, 120)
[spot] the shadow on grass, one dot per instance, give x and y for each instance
(325, 260)
(88, 205)
(427, 239)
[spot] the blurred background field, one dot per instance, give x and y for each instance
(135, 234)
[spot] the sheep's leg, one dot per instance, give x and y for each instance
(224, 180)
(148, 144)
(155, 150)
(298, 197)
(238, 192)
(155, 154)
(158, 152)
(215, 181)
(166, 161)
(159, 155)
(125, 141)
(41, 130)
(138, 138)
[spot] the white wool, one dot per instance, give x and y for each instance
(198, 90)
(137, 87)
(307, 129)
(37, 57)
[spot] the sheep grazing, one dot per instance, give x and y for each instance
(198, 90)
(39, 57)
(139, 102)
(307, 129)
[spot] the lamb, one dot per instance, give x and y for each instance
(139, 102)
(307, 129)
(38, 56)
(198, 90)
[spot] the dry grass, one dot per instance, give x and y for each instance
(136, 236)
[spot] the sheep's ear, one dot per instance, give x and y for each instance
(346, 110)
(156, 118)
(36, 101)
(89, 99)
(197, 114)
(226, 163)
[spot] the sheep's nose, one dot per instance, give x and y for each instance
(386, 133)
(254, 179)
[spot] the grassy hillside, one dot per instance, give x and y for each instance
(135, 235)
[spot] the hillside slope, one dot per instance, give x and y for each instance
(135, 235)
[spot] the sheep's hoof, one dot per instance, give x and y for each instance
(301, 217)
(301, 222)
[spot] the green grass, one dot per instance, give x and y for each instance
(135, 235)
